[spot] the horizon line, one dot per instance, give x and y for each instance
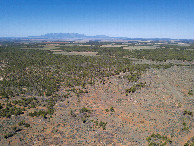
(42, 35)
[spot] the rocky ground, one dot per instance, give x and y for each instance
(111, 117)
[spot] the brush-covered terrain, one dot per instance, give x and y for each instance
(114, 97)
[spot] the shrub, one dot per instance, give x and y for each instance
(187, 113)
(72, 113)
(103, 125)
(7, 135)
(10, 110)
(185, 126)
(21, 123)
(190, 92)
(27, 125)
(112, 109)
(24, 123)
(38, 113)
(1, 106)
(84, 109)
(157, 139)
(107, 110)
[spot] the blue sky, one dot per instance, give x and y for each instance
(130, 18)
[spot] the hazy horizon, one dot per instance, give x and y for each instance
(123, 18)
(30, 36)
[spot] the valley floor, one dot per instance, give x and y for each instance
(112, 117)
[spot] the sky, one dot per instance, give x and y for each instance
(127, 18)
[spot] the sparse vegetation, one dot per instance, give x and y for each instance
(165, 54)
(26, 102)
(107, 110)
(103, 125)
(135, 87)
(190, 92)
(24, 123)
(84, 109)
(112, 109)
(157, 139)
(185, 127)
(82, 98)
(72, 113)
(10, 110)
(10, 134)
(190, 142)
(187, 113)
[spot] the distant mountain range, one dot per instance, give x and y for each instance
(77, 36)
(73, 36)
(83, 36)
